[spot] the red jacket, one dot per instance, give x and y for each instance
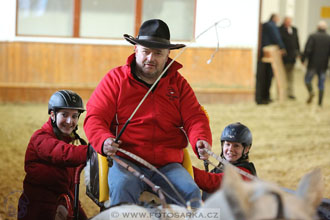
(210, 182)
(158, 131)
(50, 165)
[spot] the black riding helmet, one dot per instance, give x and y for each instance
(65, 99)
(239, 133)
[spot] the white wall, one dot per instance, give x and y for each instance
(238, 22)
(314, 14)
(231, 23)
(269, 7)
(301, 21)
(7, 19)
(307, 16)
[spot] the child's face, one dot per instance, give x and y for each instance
(66, 120)
(232, 151)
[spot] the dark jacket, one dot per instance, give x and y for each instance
(317, 51)
(271, 35)
(291, 43)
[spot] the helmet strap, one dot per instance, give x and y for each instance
(58, 133)
(54, 125)
(245, 156)
(82, 141)
(53, 121)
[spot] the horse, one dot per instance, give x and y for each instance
(237, 200)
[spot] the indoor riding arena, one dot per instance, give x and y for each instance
(289, 140)
(290, 137)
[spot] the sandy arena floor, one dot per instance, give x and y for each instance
(289, 140)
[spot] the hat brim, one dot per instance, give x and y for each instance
(152, 44)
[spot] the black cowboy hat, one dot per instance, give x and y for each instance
(154, 33)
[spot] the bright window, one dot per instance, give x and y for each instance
(179, 15)
(108, 19)
(45, 17)
(103, 18)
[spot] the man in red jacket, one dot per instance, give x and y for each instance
(51, 158)
(159, 130)
(236, 141)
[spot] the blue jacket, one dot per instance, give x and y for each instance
(271, 35)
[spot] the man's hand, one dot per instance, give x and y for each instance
(110, 146)
(201, 144)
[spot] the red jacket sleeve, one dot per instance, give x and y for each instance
(98, 121)
(55, 151)
(195, 121)
(210, 182)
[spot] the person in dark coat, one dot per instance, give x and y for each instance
(270, 36)
(317, 52)
(51, 158)
(289, 35)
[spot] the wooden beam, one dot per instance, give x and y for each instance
(273, 56)
(76, 18)
(16, 22)
(259, 31)
(138, 16)
(194, 24)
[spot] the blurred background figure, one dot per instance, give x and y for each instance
(270, 36)
(290, 39)
(317, 52)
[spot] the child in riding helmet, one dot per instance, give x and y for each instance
(236, 142)
(51, 158)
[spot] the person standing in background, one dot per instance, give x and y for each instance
(290, 39)
(270, 36)
(317, 52)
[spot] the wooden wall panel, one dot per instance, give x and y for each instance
(27, 66)
(230, 68)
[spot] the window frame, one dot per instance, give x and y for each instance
(77, 15)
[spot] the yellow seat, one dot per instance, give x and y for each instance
(104, 169)
(187, 162)
(103, 178)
